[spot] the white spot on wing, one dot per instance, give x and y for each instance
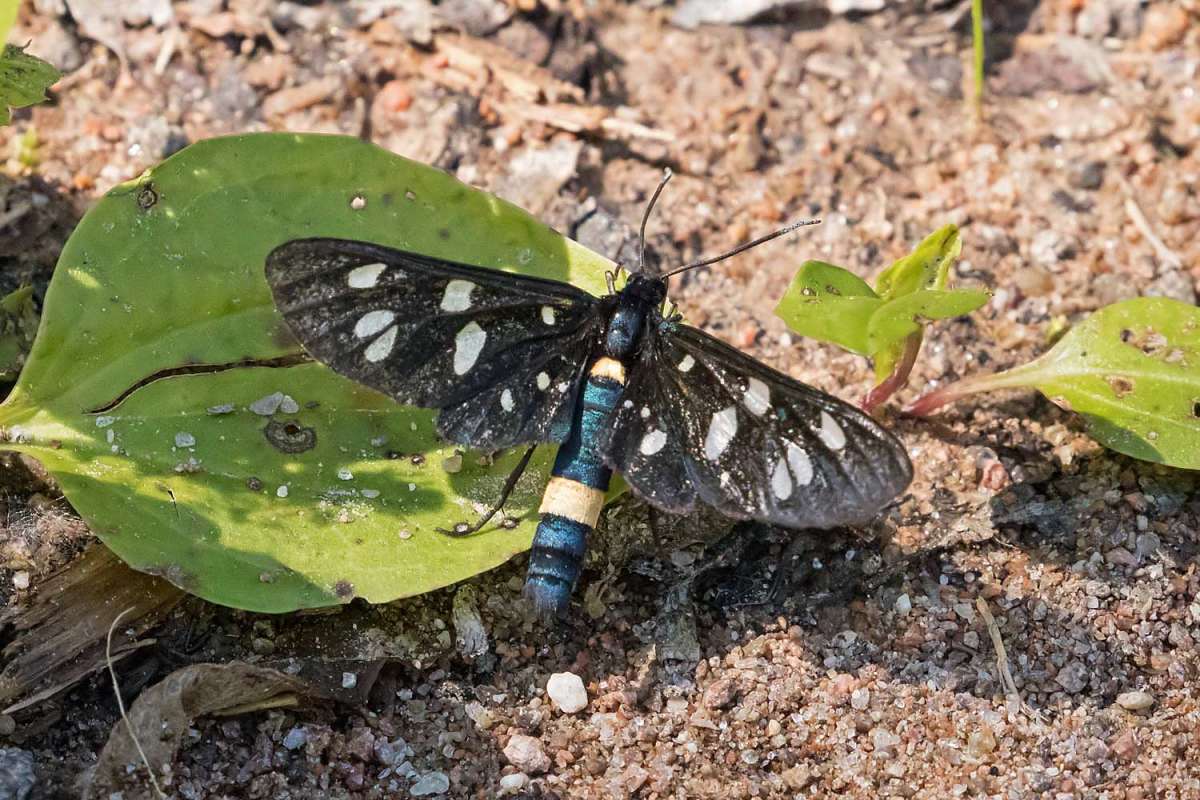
(781, 481)
(548, 315)
(379, 349)
(721, 431)
(366, 276)
(652, 442)
(543, 381)
(373, 322)
(800, 463)
(457, 296)
(687, 363)
(831, 433)
(757, 398)
(506, 400)
(467, 347)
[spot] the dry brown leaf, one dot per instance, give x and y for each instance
(163, 713)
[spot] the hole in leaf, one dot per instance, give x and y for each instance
(290, 436)
(147, 198)
(1120, 385)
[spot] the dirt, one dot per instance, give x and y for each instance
(753, 664)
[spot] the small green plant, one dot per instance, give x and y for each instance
(24, 78)
(977, 43)
(1132, 370)
(18, 325)
(887, 323)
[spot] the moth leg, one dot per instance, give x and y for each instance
(610, 278)
(465, 529)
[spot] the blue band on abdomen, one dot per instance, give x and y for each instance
(579, 459)
(555, 562)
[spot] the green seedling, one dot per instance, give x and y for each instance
(887, 323)
(24, 80)
(1132, 370)
(18, 323)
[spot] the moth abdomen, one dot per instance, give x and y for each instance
(573, 498)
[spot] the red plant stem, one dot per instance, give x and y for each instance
(931, 401)
(899, 377)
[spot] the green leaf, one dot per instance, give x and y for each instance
(1131, 369)
(158, 335)
(896, 320)
(926, 267)
(23, 80)
(8, 16)
(830, 304)
(18, 322)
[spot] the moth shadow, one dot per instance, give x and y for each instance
(1075, 590)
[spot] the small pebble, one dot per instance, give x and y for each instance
(266, 406)
(526, 754)
(430, 783)
(349, 680)
(511, 784)
(345, 474)
(567, 692)
(295, 738)
(1135, 701)
(860, 698)
(903, 604)
(980, 743)
(20, 579)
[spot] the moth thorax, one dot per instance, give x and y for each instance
(624, 330)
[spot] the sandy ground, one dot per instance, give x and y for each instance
(853, 664)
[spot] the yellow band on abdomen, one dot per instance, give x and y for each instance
(610, 368)
(573, 500)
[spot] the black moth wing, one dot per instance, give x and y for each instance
(701, 420)
(501, 355)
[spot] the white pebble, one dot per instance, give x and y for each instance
(20, 579)
(430, 783)
(1135, 701)
(567, 692)
(860, 699)
(266, 406)
(903, 604)
(183, 439)
(345, 474)
(526, 754)
(511, 784)
(282, 491)
(349, 680)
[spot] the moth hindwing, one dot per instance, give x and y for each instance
(703, 422)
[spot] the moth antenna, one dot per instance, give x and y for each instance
(704, 262)
(667, 175)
